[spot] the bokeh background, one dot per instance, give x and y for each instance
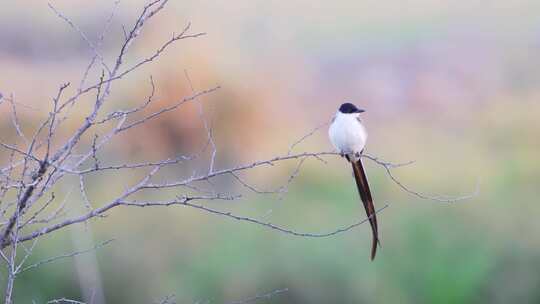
(452, 85)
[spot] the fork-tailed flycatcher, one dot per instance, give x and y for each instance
(348, 136)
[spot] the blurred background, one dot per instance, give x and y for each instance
(452, 85)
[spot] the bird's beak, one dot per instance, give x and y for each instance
(360, 111)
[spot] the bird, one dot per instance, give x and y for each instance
(348, 135)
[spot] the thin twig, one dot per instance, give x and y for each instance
(278, 228)
(207, 128)
(264, 296)
(63, 256)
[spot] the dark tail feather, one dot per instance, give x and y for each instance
(367, 200)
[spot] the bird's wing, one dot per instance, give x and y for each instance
(367, 200)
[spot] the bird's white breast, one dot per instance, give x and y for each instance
(347, 134)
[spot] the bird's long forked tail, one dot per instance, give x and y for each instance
(367, 200)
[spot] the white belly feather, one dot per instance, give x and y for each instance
(347, 134)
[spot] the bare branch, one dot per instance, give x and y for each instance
(63, 256)
(437, 198)
(306, 136)
(21, 206)
(86, 201)
(82, 34)
(53, 118)
(120, 113)
(278, 228)
(15, 119)
(135, 31)
(64, 301)
(207, 128)
(264, 296)
(158, 52)
(51, 199)
(170, 299)
(169, 161)
(169, 108)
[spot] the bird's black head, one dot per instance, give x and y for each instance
(348, 108)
